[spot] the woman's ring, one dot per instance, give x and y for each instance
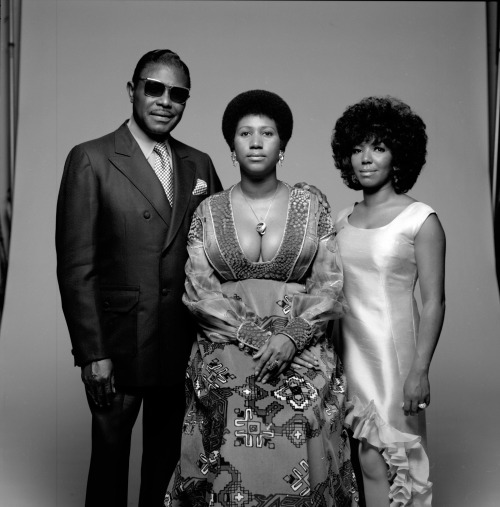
(275, 364)
(422, 405)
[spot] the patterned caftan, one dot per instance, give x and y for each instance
(246, 443)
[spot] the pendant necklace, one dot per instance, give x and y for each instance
(261, 222)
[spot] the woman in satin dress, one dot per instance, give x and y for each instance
(388, 241)
(265, 389)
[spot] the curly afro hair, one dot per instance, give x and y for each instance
(387, 120)
(262, 103)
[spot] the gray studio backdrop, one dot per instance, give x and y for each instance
(319, 56)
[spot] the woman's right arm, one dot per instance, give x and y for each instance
(222, 318)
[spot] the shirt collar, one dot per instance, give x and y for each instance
(146, 144)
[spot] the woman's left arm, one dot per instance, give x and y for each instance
(430, 250)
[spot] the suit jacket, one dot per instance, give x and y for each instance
(121, 251)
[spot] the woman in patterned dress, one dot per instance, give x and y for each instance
(386, 242)
(265, 389)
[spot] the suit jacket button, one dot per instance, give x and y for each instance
(164, 292)
(147, 215)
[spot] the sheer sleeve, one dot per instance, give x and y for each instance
(324, 299)
(221, 318)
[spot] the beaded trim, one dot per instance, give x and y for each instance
(281, 266)
(299, 331)
(195, 233)
(325, 223)
(251, 336)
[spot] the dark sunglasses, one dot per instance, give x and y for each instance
(155, 88)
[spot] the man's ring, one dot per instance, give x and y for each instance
(422, 405)
(275, 364)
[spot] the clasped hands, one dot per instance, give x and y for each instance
(276, 355)
(99, 381)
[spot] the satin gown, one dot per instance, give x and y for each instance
(246, 443)
(379, 338)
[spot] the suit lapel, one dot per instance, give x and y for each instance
(184, 175)
(130, 160)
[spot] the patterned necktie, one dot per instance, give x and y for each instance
(163, 169)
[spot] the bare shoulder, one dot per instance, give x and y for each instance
(431, 230)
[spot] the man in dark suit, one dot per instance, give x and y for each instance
(121, 251)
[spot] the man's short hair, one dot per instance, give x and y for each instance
(162, 57)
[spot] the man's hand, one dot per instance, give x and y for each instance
(99, 381)
(315, 190)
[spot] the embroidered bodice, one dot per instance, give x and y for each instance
(306, 223)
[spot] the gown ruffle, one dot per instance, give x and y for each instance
(407, 462)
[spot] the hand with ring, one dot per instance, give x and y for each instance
(273, 357)
(416, 392)
(272, 366)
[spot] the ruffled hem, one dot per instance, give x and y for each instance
(403, 452)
